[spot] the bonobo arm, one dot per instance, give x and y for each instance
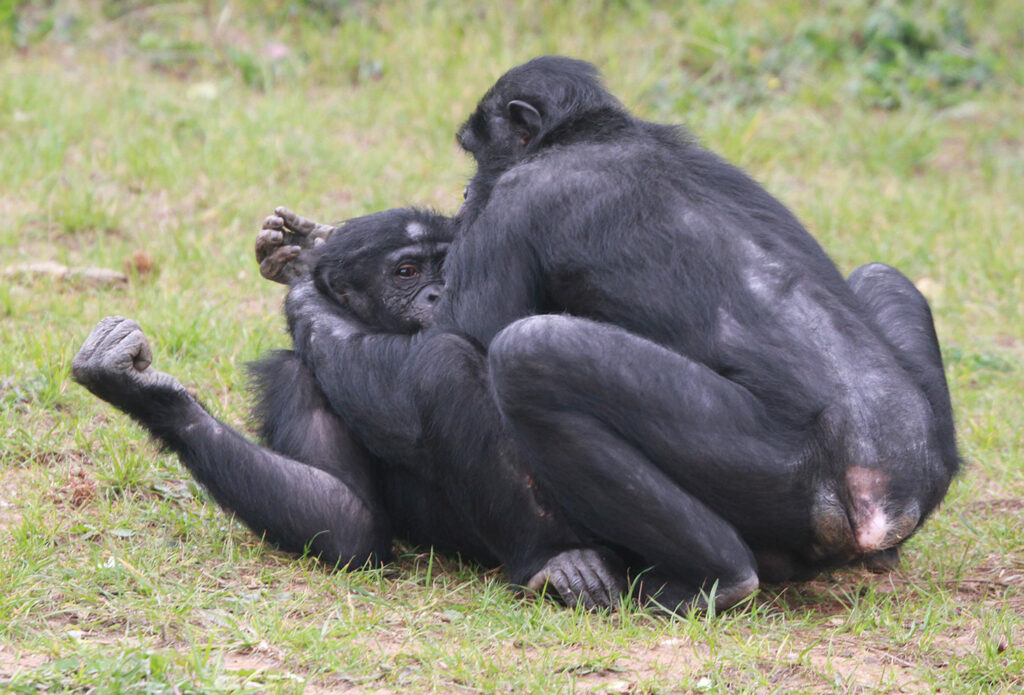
(363, 375)
(296, 506)
(493, 275)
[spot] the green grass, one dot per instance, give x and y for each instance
(893, 130)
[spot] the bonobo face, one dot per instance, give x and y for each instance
(411, 283)
(386, 269)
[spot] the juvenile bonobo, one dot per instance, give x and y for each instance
(685, 373)
(316, 489)
(379, 277)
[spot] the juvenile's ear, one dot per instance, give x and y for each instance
(525, 120)
(329, 282)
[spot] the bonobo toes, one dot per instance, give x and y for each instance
(580, 576)
(660, 592)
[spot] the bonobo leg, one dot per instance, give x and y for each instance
(901, 315)
(471, 457)
(297, 506)
(295, 420)
(640, 445)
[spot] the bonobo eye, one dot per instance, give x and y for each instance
(407, 270)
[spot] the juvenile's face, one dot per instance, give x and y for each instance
(386, 270)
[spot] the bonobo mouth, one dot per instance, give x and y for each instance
(866, 522)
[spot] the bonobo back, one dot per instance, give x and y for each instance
(595, 214)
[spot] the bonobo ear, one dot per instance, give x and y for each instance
(329, 283)
(525, 120)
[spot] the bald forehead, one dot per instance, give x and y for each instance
(415, 230)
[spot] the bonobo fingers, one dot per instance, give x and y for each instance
(283, 265)
(313, 231)
(270, 238)
(281, 240)
(580, 576)
(115, 345)
(117, 356)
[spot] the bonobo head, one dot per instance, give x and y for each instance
(546, 101)
(385, 269)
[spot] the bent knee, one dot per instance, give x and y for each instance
(535, 342)
(873, 278)
(364, 541)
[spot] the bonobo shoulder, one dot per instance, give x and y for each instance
(557, 171)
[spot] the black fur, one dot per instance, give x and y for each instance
(316, 494)
(484, 510)
(317, 489)
(707, 393)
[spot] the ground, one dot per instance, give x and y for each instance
(148, 141)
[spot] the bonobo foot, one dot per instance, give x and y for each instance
(883, 561)
(114, 363)
(280, 244)
(580, 577)
(654, 590)
(775, 567)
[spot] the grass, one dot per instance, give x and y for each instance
(166, 132)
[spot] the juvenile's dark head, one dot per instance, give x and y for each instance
(533, 105)
(385, 268)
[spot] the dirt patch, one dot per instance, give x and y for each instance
(9, 515)
(853, 670)
(10, 489)
(815, 663)
(259, 659)
(12, 662)
(1000, 506)
(676, 656)
(77, 490)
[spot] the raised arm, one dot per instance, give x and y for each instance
(325, 504)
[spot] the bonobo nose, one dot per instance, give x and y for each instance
(433, 296)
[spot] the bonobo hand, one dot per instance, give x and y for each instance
(309, 314)
(579, 576)
(280, 244)
(114, 362)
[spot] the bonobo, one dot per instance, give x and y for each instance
(316, 489)
(681, 367)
